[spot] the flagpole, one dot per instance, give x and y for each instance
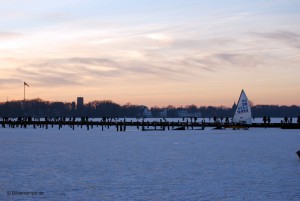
(25, 84)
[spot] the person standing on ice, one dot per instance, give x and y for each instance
(285, 119)
(265, 119)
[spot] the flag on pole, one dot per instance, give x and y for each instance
(25, 84)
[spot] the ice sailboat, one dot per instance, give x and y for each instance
(242, 113)
(242, 117)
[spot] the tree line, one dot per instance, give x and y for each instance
(108, 108)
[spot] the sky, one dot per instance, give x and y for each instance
(154, 53)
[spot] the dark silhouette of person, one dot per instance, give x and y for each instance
(227, 120)
(264, 119)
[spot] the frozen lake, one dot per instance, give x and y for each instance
(258, 164)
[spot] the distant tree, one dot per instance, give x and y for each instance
(171, 111)
(107, 108)
(156, 111)
(192, 109)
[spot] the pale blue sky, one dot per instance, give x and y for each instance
(151, 52)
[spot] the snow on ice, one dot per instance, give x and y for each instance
(254, 164)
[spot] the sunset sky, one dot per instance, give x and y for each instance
(155, 53)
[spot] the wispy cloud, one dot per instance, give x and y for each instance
(9, 81)
(240, 60)
(287, 37)
(9, 35)
(70, 71)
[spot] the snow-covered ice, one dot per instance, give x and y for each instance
(255, 164)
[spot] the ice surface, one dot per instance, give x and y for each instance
(257, 164)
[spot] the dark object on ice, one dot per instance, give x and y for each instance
(298, 153)
(290, 126)
(237, 126)
(219, 127)
(179, 128)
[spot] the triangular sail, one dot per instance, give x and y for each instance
(243, 111)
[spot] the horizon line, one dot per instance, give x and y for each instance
(182, 106)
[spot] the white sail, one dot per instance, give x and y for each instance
(243, 111)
